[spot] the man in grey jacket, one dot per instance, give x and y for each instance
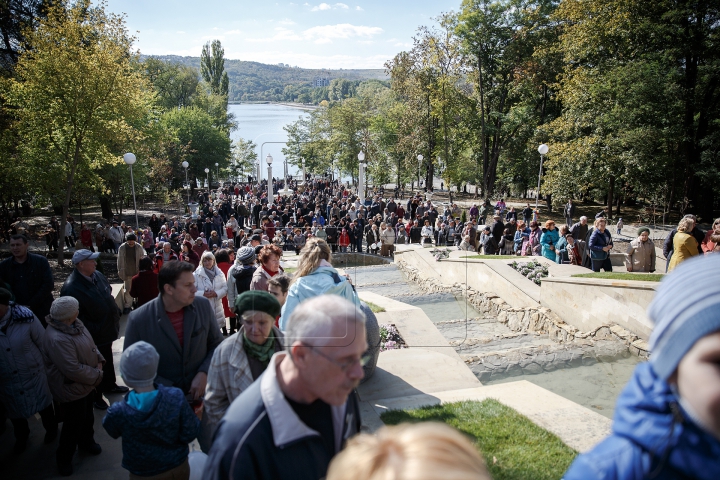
(181, 327)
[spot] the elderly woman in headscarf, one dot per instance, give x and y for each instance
(640, 254)
(74, 368)
(242, 358)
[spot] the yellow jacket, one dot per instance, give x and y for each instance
(684, 246)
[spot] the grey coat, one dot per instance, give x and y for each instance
(71, 360)
(201, 335)
(23, 384)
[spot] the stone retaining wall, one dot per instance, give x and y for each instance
(528, 319)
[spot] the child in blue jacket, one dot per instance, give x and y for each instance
(667, 422)
(156, 422)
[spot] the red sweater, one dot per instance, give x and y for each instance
(144, 286)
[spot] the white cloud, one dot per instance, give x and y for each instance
(281, 34)
(286, 21)
(322, 34)
(328, 33)
(327, 6)
(359, 8)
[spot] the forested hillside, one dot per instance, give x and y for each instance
(253, 81)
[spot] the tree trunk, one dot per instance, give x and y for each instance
(611, 188)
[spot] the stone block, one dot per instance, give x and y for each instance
(641, 345)
(503, 317)
(513, 370)
(603, 333)
(532, 369)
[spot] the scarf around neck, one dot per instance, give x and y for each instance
(261, 353)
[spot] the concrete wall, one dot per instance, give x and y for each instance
(588, 303)
(494, 276)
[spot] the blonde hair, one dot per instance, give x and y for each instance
(421, 451)
(208, 254)
(548, 223)
(598, 220)
(315, 250)
(685, 225)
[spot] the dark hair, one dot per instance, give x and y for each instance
(171, 271)
(145, 263)
(222, 255)
(19, 236)
(715, 239)
(280, 280)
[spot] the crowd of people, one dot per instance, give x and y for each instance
(260, 367)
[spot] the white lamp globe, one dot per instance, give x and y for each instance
(185, 164)
(543, 149)
(207, 170)
(361, 156)
(269, 159)
(129, 158)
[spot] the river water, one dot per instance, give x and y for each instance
(264, 123)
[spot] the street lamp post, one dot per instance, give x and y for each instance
(269, 161)
(361, 176)
(303, 168)
(542, 150)
(207, 179)
(420, 159)
(217, 172)
(130, 159)
(185, 165)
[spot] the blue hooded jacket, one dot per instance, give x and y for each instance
(322, 280)
(651, 438)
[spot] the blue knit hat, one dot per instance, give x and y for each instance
(686, 308)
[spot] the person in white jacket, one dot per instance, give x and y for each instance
(211, 284)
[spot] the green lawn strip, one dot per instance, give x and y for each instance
(290, 269)
(522, 449)
(374, 308)
(494, 257)
(642, 277)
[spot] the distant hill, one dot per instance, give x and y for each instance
(253, 81)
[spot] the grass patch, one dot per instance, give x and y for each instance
(522, 449)
(643, 277)
(493, 257)
(290, 269)
(374, 308)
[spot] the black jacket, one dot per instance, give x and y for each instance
(243, 278)
(497, 229)
(260, 436)
(31, 283)
(98, 310)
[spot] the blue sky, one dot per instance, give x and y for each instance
(359, 34)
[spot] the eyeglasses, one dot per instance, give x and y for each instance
(344, 366)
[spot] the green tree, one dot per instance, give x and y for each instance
(212, 67)
(79, 99)
(243, 159)
(207, 144)
(176, 85)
